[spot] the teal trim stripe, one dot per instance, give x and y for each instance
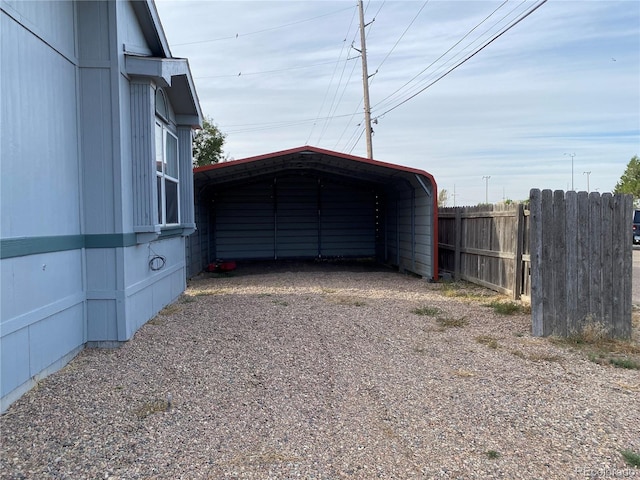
(22, 246)
(110, 240)
(18, 247)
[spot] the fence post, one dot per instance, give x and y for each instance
(535, 242)
(517, 270)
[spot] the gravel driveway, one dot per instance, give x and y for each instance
(326, 373)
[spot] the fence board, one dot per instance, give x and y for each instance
(623, 265)
(607, 258)
(595, 260)
(546, 260)
(583, 261)
(573, 230)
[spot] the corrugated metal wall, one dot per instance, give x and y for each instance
(347, 221)
(409, 230)
(243, 222)
(285, 217)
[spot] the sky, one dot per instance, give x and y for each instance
(551, 103)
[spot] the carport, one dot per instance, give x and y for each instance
(310, 203)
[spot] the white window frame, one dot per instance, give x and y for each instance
(163, 175)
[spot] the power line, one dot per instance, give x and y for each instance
(509, 27)
(237, 35)
(379, 105)
(264, 72)
(331, 81)
(465, 49)
(346, 83)
(401, 37)
(254, 127)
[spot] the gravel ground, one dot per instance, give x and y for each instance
(326, 373)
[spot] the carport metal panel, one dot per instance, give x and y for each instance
(409, 232)
(294, 216)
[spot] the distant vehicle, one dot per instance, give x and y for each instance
(636, 226)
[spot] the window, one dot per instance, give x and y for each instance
(167, 176)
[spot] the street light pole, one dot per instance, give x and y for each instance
(571, 155)
(587, 174)
(486, 188)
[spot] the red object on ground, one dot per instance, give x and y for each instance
(221, 266)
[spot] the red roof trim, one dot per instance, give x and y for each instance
(322, 151)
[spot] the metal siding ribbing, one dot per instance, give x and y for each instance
(423, 221)
(297, 217)
(244, 222)
(145, 213)
(347, 221)
(410, 230)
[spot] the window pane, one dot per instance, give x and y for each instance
(171, 159)
(171, 195)
(159, 199)
(159, 148)
(161, 104)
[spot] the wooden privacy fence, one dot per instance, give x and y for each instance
(581, 262)
(487, 245)
(569, 254)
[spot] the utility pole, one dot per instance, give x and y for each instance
(486, 190)
(365, 83)
(587, 174)
(571, 155)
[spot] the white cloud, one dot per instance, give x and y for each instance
(565, 80)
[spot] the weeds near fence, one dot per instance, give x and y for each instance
(505, 308)
(594, 341)
(465, 291)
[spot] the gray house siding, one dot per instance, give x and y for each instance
(74, 271)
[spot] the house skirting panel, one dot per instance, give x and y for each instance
(39, 349)
(57, 303)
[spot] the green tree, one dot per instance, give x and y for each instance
(630, 180)
(207, 144)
